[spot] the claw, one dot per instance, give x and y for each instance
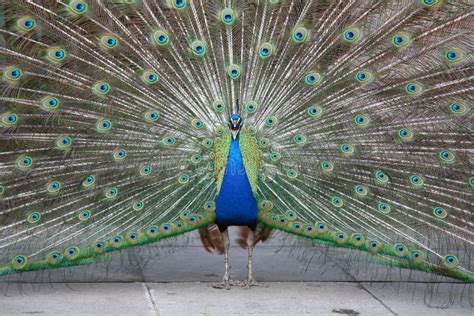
(226, 284)
(251, 282)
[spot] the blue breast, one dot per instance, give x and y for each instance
(236, 204)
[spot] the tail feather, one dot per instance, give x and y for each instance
(362, 111)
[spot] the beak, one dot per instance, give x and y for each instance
(234, 132)
(234, 129)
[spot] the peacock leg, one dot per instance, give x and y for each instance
(227, 282)
(250, 280)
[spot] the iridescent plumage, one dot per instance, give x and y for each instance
(355, 127)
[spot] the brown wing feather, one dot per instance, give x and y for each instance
(262, 233)
(211, 239)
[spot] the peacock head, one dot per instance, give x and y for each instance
(235, 123)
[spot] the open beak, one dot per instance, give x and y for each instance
(234, 128)
(234, 133)
(235, 123)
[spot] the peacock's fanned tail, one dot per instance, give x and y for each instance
(357, 125)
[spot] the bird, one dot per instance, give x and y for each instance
(346, 124)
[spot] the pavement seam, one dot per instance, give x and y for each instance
(362, 286)
(150, 298)
(148, 291)
(376, 298)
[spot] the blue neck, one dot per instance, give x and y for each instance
(236, 204)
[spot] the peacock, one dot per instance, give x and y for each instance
(347, 124)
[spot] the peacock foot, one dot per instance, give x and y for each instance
(226, 283)
(251, 282)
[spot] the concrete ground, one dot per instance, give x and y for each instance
(165, 280)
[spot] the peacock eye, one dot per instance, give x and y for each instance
(450, 261)
(384, 208)
(54, 187)
(381, 177)
(218, 106)
(101, 88)
(315, 111)
(103, 125)
(197, 123)
(77, 7)
(400, 40)
(183, 179)
(430, 3)
(56, 54)
(25, 24)
(85, 215)
(150, 77)
(19, 262)
(352, 35)
(364, 77)
(337, 201)
(447, 156)
(227, 16)
(119, 154)
(327, 166)
(234, 71)
(34, 217)
(12, 74)
(440, 212)
(161, 38)
(300, 34)
(313, 78)
(198, 48)
(137, 205)
(362, 120)
(413, 88)
(265, 50)
(169, 140)
(8, 119)
(179, 4)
